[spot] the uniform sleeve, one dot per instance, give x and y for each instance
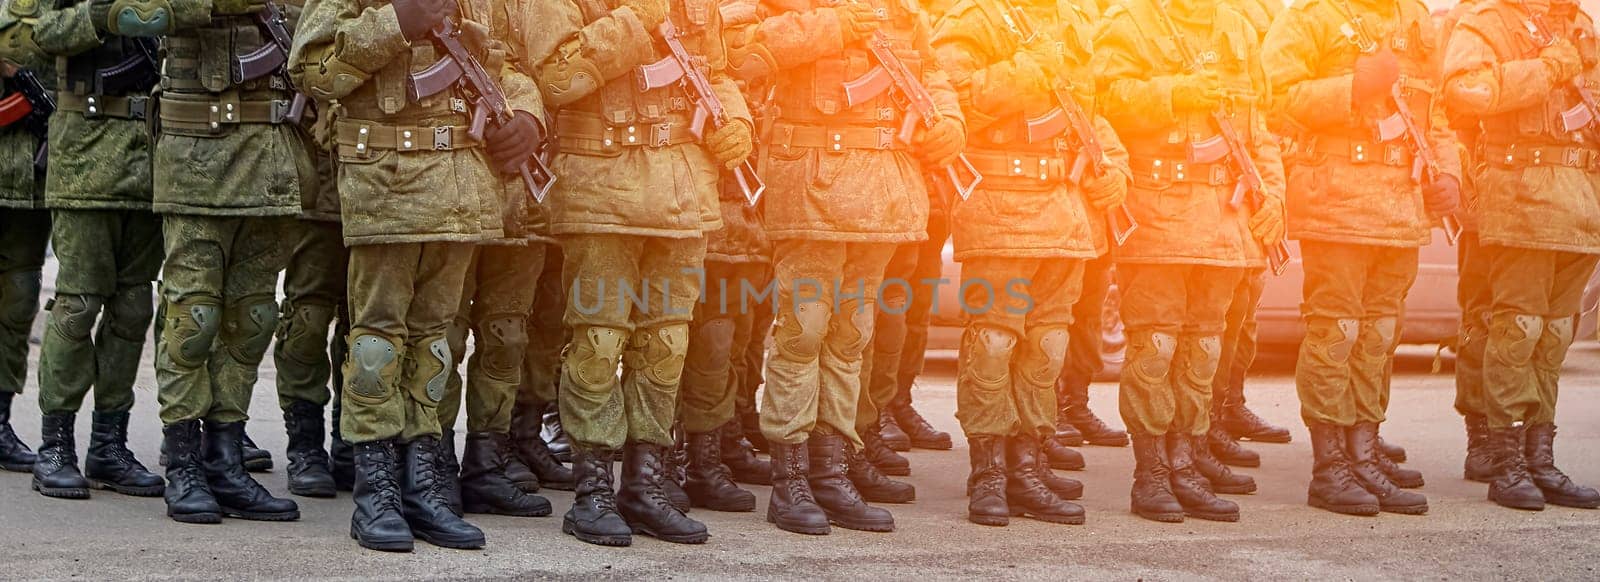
(1299, 98)
(66, 31)
(520, 90)
(1267, 153)
(1129, 97)
(1475, 84)
(935, 79)
(987, 91)
(723, 84)
(338, 45)
(187, 14)
(797, 37)
(566, 54)
(1111, 146)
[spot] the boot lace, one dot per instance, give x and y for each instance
(795, 483)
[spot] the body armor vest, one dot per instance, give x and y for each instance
(814, 94)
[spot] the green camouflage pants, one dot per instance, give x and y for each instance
(718, 339)
(1476, 301)
(107, 260)
(23, 237)
(219, 309)
(547, 335)
(1239, 340)
(314, 301)
(630, 302)
(880, 366)
(749, 373)
(1015, 343)
(1086, 336)
(827, 295)
(1353, 298)
(925, 278)
(1536, 298)
(495, 304)
(403, 297)
(1174, 316)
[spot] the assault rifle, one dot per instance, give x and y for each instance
(488, 104)
(891, 73)
(32, 105)
(1583, 115)
(681, 68)
(136, 73)
(270, 58)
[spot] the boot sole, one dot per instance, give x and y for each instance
(197, 518)
(940, 445)
(1362, 509)
(1406, 509)
(1047, 518)
(1241, 490)
(1066, 467)
(17, 468)
(1407, 484)
(733, 507)
(472, 544)
(486, 509)
(894, 471)
(316, 492)
(615, 541)
(260, 516)
(990, 520)
(893, 499)
(1161, 517)
(1550, 499)
(262, 466)
(898, 446)
(529, 488)
(62, 492)
(151, 491)
(698, 538)
(1069, 442)
(748, 481)
(1524, 507)
(394, 545)
(1479, 478)
(1238, 463)
(1065, 495)
(875, 527)
(1272, 439)
(1106, 442)
(799, 529)
(558, 485)
(1222, 517)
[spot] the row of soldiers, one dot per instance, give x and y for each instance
(1180, 141)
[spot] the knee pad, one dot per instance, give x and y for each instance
(1332, 340)
(303, 331)
(1512, 338)
(798, 333)
(1557, 339)
(73, 316)
(19, 298)
(988, 355)
(1046, 354)
(593, 356)
(373, 366)
(1379, 337)
(658, 353)
(503, 341)
(711, 347)
(130, 311)
(1204, 354)
(1150, 355)
(850, 330)
(247, 328)
(430, 362)
(191, 329)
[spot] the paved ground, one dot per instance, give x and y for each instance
(1463, 537)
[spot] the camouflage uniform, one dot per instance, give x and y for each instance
(24, 233)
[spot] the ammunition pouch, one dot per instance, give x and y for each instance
(184, 115)
(357, 139)
(833, 139)
(1358, 152)
(1519, 156)
(95, 106)
(587, 134)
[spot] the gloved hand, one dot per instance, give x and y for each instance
(237, 7)
(1374, 77)
(1266, 225)
(939, 146)
(419, 17)
(1031, 77)
(1563, 59)
(1196, 93)
(731, 144)
(857, 21)
(651, 13)
(512, 143)
(1442, 196)
(1106, 191)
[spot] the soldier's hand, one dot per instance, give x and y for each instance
(1564, 60)
(857, 21)
(939, 146)
(512, 143)
(731, 144)
(1266, 225)
(419, 17)
(1032, 79)
(1442, 196)
(1194, 93)
(237, 7)
(1374, 77)
(651, 13)
(1106, 191)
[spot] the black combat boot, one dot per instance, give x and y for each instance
(1068, 489)
(791, 506)
(1395, 452)
(55, 473)
(1361, 446)
(256, 459)
(593, 517)
(239, 495)
(110, 465)
(310, 469)
(378, 522)
(1513, 486)
(449, 472)
(1333, 486)
(1152, 497)
(1401, 477)
(1225, 447)
(674, 471)
(1066, 434)
(750, 424)
(555, 437)
(520, 475)
(15, 455)
(341, 456)
(1192, 490)
(424, 500)
(1026, 494)
(874, 486)
(1062, 457)
(986, 485)
(1557, 488)
(645, 506)
(740, 456)
(1222, 479)
(833, 490)
(1095, 431)
(486, 488)
(879, 454)
(1479, 465)
(189, 498)
(534, 453)
(890, 432)
(917, 428)
(1243, 423)
(709, 483)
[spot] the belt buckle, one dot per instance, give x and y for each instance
(1574, 158)
(280, 111)
(1393, 155)
(1219, 175)
(138, 107)
(444, 138)
(886, 138)
(661, 134)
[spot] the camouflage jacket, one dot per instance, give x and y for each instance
(742, 239)
(1033, 210)
(100, 163)
(21, 186)
(1344, 187)
(1524, 197)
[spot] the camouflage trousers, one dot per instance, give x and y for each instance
(314, 301)
(1238, 340)
(1476, 302)
(926, 272)
(748, 373)
(827, 304)
(1536, 296)
(1353, 299)
(1174, 316)
(880, 366)
(495, 303)
(629, 303)
(107, 259)
(23, 237)
(218, 311)
(547, 335)
(719, 336)
(1086, 338)
(403, 297)
(1015, 343)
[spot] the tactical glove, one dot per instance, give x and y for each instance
(419, 17)
(651, 13)
(1109, 190)
(1442, 196)
(939, 146)
(1196, 93)
(512, 143)
(856, 21)
(730, 144)
(1563, 59)
(1375, 76)
(1266, 225)
(237, 7)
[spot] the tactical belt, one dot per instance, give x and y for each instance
(834, 139)
(358, 138)
(92, 106)
(1357, 151)
(1520, 156)
(587, 133)
(210, 115)
(1052, 169)
(1164, 170)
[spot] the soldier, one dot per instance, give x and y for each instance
(1173, 77)
(1360, 215)
(1516, 66)
(24, 233)
(1023, 237)
(106, 240)
(638, 193)
(832, 243)
(541, 376)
